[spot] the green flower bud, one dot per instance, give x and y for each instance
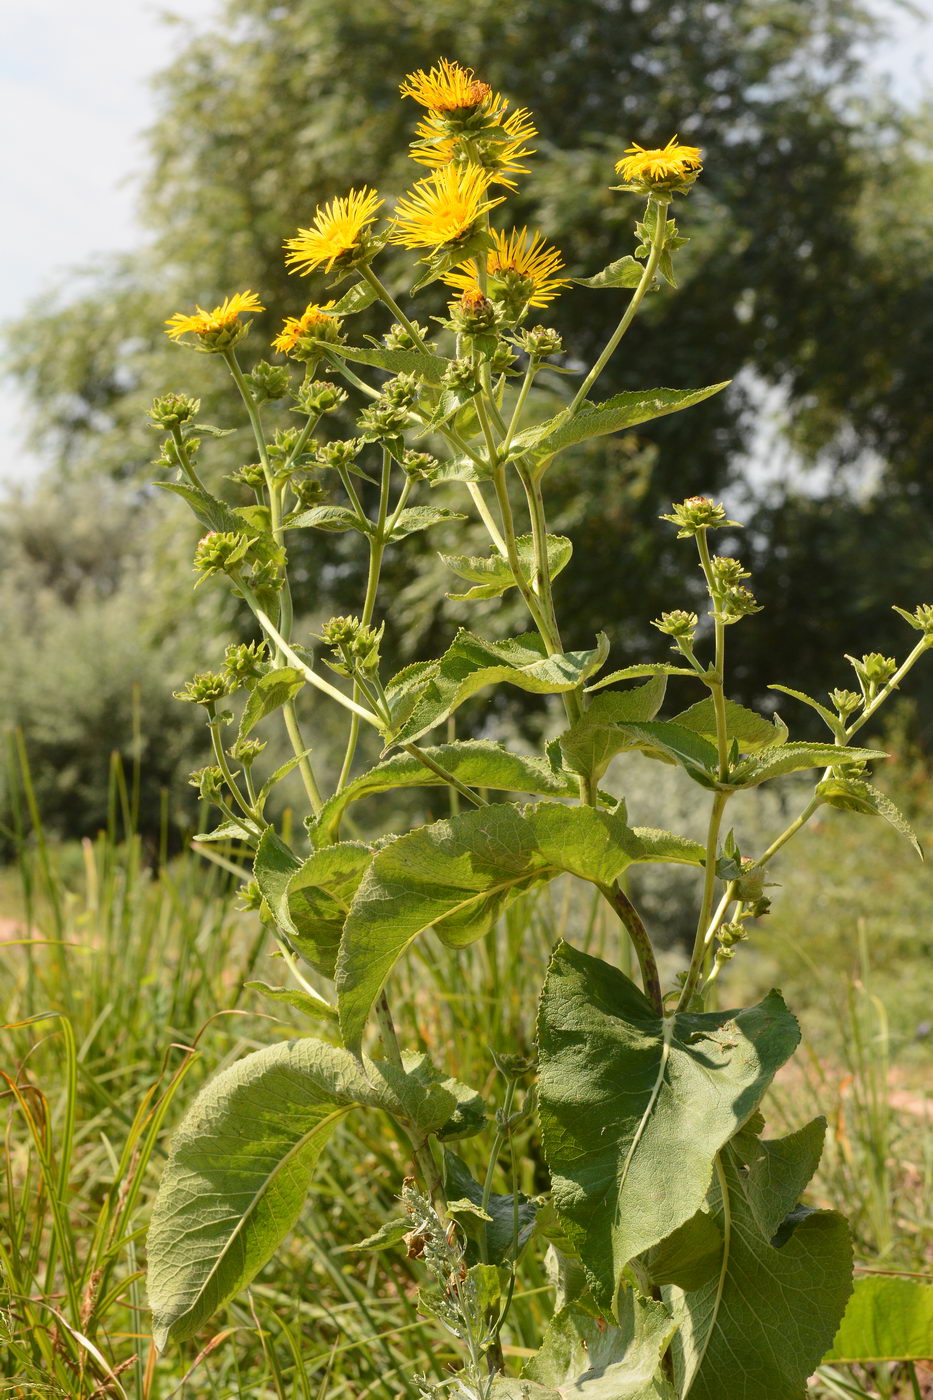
(845, 701)
(206, 688)
(419, 466)
(252, 475)
(319, 396)
(340, 631)
(729, 934)
(269, 382)
(172, 410)
(473, 314)
(400, 338)
(249, 896)
(356, 644)
(502, 359)
(727, 571)
(381, 420)
(402, 391)
(244, 663)
(208, 781)
(266, 577)
(736, 602)
(246, 751)
(219, 552)
(342, 452)
(461, 376)
(678, 624)
(540, 341)
(697, 513)
(309, 492)
(873, 670)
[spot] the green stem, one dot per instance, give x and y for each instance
(647, 277)
(500, 1138)
(377, 544)
(514, 421)
(641, 942)
(443, 773)
(319, 682)
(187, 465)
(709, 884)
(224, 766)
(717, 687)
(486, 516)
(424, 1159)
(511, 553)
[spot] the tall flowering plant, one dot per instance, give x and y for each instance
(682, 1259)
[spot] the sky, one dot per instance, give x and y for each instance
(75, 99)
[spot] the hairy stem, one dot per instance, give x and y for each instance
(641, 942)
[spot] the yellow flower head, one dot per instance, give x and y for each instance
(443, 208)
(446, 88)
(337, 232)
(313, 321)
(218, 329)
(669, 166)
(498, 148)
(518, 269)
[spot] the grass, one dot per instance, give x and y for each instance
(124, 985)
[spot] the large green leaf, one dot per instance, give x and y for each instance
(611, 416)
(479, 763)
(751, 731)
(492, 573)
(458, 876)
(590, 744)
(309, 900)
(241, 1162)
(634, 1108)
(470, 664)
(887, 1319)
(762, 1324)
(672, 743)
(585, 1357)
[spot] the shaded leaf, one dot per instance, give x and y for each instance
(241, 1162)
(590, 1358)
(689, 1257)
(590, 744)
(763, 1323)
(470, 664)
(479, 763)
(492, 573)
(666, 740)
(458, 876)
(647, 668)
(751, 730)
(634, 1108)
(315, 1007)
(498, 1224)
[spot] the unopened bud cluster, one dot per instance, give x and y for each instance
(697, 513)
(354, 642)
(269, 382)
(319, 396)
(539, 342)
(244, 663)
(205, 688)
(173, 410)
(921, 619)
(220, 552)
(678, 624)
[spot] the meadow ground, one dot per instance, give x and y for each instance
(125, 987)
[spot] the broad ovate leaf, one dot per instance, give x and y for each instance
(458, 876)
(242, 1160)
(587, 1358)
(763, 1322)
(634, 1107)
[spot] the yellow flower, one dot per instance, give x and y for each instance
(498, 147)
(337, 232)
(215, 326)
(517, 267)
(672, 163)
(446, 87)
(313, 321)
(443, 207)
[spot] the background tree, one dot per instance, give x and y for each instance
(807, 272)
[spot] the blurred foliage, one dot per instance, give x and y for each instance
(807, 276)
